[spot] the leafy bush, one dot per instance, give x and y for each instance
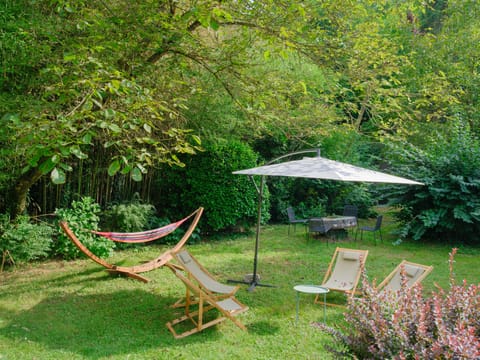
(82, 217)
(358, 195)
(313, 198)
(230, 201)
(447, 208)
(310, 209)
(23, 240)
(130, 217)
(405, 325)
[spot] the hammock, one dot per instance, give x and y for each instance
(142, 236)
(133, 271)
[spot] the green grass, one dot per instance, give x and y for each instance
(75, 310)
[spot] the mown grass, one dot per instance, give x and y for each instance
(75, 310)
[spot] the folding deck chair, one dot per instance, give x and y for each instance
(206, 293)
(207, 281)
(344, 271)
(413, 274)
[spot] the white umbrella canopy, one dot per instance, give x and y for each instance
(314, 168)
(322, 168)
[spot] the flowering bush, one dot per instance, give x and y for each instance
(406, 325)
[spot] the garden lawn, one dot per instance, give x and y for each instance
(76, 310)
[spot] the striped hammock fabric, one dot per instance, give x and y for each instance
(142, 236)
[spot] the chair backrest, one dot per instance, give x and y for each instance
(413, 273)
(378, 224)
(291, 214)
(345, 269)
(201, 275)
(350, 210)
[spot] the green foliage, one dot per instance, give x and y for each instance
(82, 217)
(207, 180)
(447, 208)
(133, 77)
(131, 217)
(359, 195)
(78, 91)
(24, 240)
(310, 209)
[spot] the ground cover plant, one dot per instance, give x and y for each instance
(75, 310)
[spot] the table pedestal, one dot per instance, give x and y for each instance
(311, 289)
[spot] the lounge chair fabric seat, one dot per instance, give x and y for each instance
(414, 273)
(344, 271)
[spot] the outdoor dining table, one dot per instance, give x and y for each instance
(325, 224)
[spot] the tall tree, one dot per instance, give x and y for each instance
(116, 75)
(120, 74)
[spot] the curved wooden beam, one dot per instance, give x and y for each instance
(133, 271)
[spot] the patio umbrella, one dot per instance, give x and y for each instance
(322, 168)
(315, 168)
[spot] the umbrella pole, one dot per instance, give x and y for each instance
(254, 281)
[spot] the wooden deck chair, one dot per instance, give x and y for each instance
(344, 271)
(206, 294)
(414, 273)
(134, 271)
(201, 275)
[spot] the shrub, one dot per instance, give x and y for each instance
(23, 240)
(230, 201)
(448, 207)
(82, 217)
(130, 217)
(405, 325)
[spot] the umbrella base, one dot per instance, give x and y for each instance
(252, 280)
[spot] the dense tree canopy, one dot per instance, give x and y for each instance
(130, 85)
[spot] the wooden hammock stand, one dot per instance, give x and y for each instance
(134, 271)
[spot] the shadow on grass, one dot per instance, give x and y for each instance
(95, 326)
(87, 276)
(263, 328)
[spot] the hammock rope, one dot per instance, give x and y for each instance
(142, 236)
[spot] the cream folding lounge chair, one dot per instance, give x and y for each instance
(414, 273)
(344, 271)
(203, 291)
(194, 269)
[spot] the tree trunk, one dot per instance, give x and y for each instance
(18, 193)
